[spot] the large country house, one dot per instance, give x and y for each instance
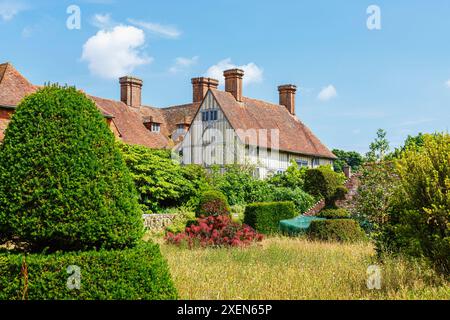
(217, 127)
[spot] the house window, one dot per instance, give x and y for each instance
(316, 162)
(180, 128)
(211, 115)
(156, 127)
(303, 163)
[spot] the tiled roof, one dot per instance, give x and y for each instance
(250, 114)
(129, 124)
(294, 136)
(13, 86)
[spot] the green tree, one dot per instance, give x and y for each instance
(161, 182)
(63, 182)
(293, 177)
(349, 158)
(379, 147)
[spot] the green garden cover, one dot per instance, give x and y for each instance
(297, 225)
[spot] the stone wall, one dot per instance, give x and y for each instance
(158, 222)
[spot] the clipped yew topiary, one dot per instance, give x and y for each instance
(63, 182)
(342, 230)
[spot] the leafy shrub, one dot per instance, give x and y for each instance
(344, 230)
(215, 231)
(419, 223)
(302, 200)
(334, 214)
(323, 182)
(63, 181)
(140, 273)
(293, 177)
(265, 217)
(236, 182)
(213, 203)
(179, 224)
(375, 196)
(161, 182)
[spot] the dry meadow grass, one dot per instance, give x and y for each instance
(293, 269)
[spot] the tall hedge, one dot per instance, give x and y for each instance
(63, 182)
(139, 273)
(265, 217)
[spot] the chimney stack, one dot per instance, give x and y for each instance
(287, 97)
(131, 91)
(200, 87)
(233, 82)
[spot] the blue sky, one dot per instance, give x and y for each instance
(352, 80)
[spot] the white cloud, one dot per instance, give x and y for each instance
(327, 93)
(158, 29)
(253, 73)
(182, 63)
(9, 9)
(115, 53)
(447, 84)
(103, 21)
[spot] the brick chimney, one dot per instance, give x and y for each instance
(131, 91)
(347, 171)
(200, 87)
(233, 82)
(287, 96)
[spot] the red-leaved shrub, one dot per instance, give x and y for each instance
(215, 231)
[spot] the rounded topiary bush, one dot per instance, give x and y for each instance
(334, 214)
(213, 203)
(343, 230)
(63, 182)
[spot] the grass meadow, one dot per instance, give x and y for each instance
(296, 269)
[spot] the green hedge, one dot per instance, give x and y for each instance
(135, 274)
(265, 217)
(343, 230)
(334, 214)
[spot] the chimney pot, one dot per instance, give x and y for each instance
(200, 87)
(287, 96)
(233, 82)
(131, 91)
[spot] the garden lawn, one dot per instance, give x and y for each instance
(292, 269)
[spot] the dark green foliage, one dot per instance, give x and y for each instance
(140, 273)
(334, 214)
(339, 194)
(323, 182)
(349, 158)
(302, 200)
(63, 182)
(265, 217)
(411, 142)
(212, 203)
(343, 230)
(160, 181)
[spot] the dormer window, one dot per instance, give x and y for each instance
(181, 127)
(155, 127)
